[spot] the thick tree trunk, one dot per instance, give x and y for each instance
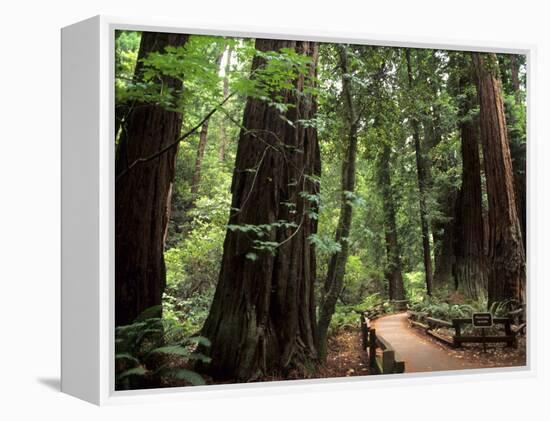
(423, 184)
(262, 318)
(506, 277)
(471, 265)
(337, 264)
(393, 259)
(142, 195)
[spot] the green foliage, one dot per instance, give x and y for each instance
(444, 310)
(342, 319)
(279, 71)
(385, 105)
(502, 308)
(126, 51)
(348, 316)
(152, 350)
(415, 285)
(324, 244)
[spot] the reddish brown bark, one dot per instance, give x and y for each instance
(517, 151)
(471, 264)
(262, 318)
(506, 256)
(142, 194)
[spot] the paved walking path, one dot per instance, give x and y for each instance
(419, 353)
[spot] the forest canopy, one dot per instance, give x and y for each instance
(270, 191)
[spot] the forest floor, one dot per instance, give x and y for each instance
(422, 353)
(345, 357)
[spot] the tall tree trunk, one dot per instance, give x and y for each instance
(506, 276)
(393, 258)
(471, 265)
(517, 151)
(142, 194)
(422, 186)
(223, 126)
(262, 318)
(203, 138)
(443, 234)
(442, 228)
(337, 264)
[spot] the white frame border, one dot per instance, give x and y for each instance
(107, 394)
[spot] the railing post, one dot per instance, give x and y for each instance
(364, 331)
(508, 331)
(388, 361)
(372, 347)
(456, 337)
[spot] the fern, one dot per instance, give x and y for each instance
(141, 345)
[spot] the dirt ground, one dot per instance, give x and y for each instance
(345, 357)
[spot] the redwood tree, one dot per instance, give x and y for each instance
(506, 275)
(423, 183)
(471, 266)
(142, 199)
(393, 267)
(337, 264)
(393, 259)
(518, 148)
(262, 318)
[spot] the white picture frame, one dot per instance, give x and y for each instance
(88, 211)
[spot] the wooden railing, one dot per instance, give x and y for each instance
(519, 318)
(423, 321)
(385, 362)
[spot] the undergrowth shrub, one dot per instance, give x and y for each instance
(153, 350)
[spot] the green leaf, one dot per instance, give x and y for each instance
(137, 371)
(172, 350)
(252, 256)
(149, 313)
(126, 356)
(187, 375)
(200, 340)
(197, 356)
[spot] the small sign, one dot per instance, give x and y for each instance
(482, 319)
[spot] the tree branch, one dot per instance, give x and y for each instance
(175, 143)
